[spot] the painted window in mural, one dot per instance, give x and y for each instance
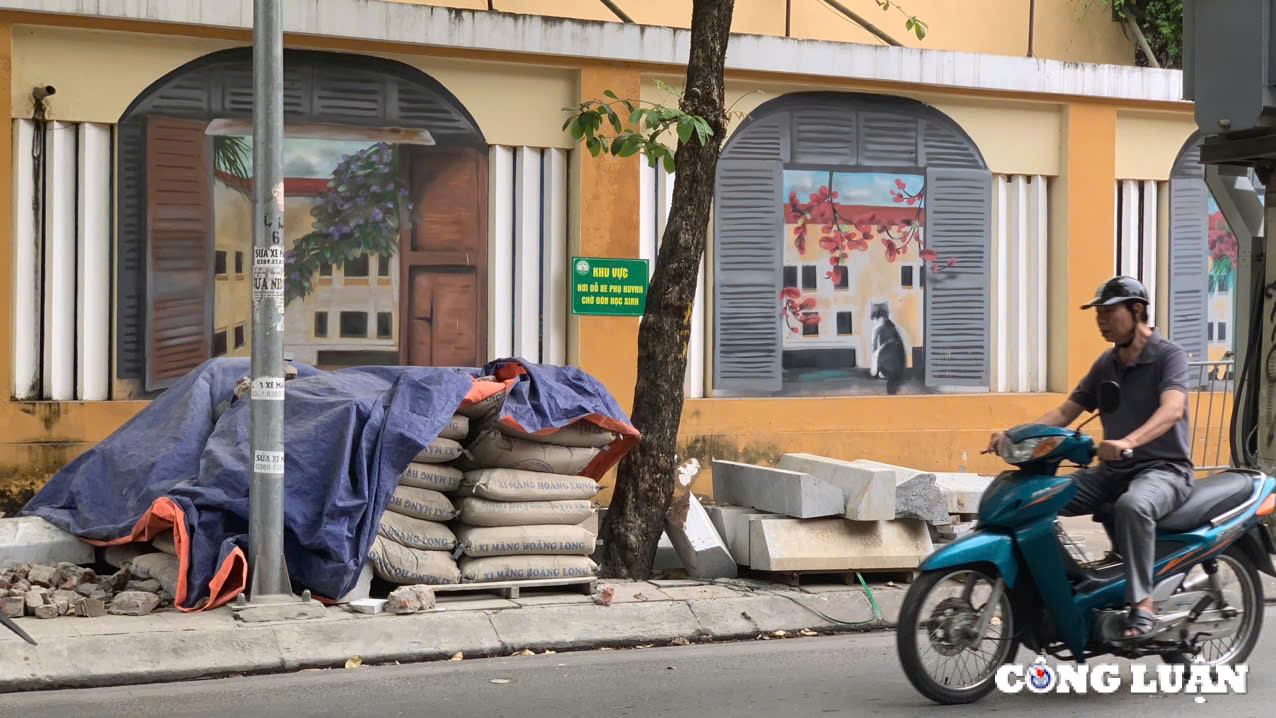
(385, 219)
(1222, 282)
(343, 202)
(856, 239)
(851, 251)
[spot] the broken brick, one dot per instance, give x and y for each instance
(87, 589)
(116, 581)
(90, 607)
(13, 606)
(45, 576)
(64, 600)
(134, 603)
(150, 585)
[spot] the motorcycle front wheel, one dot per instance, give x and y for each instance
(944, 655)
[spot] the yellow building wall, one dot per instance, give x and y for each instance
(1072, 30)
(99, 73)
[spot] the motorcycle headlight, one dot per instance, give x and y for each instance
(1027, 449)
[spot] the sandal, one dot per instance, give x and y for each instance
(1140, 621)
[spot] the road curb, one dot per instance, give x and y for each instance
(175, 655)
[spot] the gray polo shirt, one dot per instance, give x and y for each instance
(1161, 366)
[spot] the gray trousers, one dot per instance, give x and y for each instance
(1140, 498)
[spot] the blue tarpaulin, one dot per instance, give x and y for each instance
(348, 435)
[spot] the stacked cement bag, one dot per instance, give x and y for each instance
(414, 544)
(521, 503)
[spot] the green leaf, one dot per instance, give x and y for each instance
(909, 25)
(921, 31)
(616, 144)
(578, 128)
(635, 117)
(628, 105)
(684, 130)
(669, 166)
(630, 145)
(615, 120)
(610, 94)
(595, 146)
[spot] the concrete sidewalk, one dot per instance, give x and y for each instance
(170, 646)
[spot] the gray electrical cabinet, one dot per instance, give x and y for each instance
(1229, 63)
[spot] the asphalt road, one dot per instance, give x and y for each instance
(852, 675)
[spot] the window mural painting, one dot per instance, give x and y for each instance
(855, 262)
(851, 251)
(385, 219)
(1222, 282)
(343, 203)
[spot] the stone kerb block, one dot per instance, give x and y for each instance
(732, 523)
(962, 492)
(790, 493)
(31, 539)
(869, 490)
(837, 544)
(700, 548)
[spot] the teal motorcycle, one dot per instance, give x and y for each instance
(1018, 580)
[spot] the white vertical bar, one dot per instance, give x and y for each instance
(25, 343)
(500, 283)
(648, 229)
(1000, 286)
(1116, 228)
(1019, 273)
(527, 254)
(693, 388)
(1038, 229)
(555, 282)
(664, 181)
(1130, 228)
(1150, 249)
(93, 263)
(59, 262)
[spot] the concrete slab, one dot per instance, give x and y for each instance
(778, 491)
(472, 603)
(31, 539)
(732, 523)
(901, 473)
(869, 491)
(567, 627)
(630, 592)
(920, 498)
(674, 582)
(837, 544)
(963, 491)
(666, 554)
(385, 638)
(700, 548)
(688, 593)
(551, 599)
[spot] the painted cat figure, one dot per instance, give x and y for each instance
(889, 359)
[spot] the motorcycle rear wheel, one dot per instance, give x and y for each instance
(911, 648)
(1252, 602)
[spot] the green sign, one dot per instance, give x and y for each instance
(609, 287)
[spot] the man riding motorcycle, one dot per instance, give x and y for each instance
(1151, 422)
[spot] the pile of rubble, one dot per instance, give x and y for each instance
(70, 590)
(816, 514)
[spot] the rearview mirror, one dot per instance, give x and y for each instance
(1109, 397)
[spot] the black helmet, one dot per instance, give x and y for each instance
(1119, 290)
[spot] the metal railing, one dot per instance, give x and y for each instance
(1212, 392)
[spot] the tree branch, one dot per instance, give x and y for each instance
(858, 20)
(619, 13)
(1141, 40)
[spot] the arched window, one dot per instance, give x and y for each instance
(851, 250)
(385, 223)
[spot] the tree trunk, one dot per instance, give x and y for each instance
(645, 482)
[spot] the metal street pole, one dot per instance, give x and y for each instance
(270, 582)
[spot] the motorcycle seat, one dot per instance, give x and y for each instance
(1211, 496)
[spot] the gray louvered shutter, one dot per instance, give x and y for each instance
(1189, 275)
(824, 135)
(748, 228)
(958, 226)
(887, 140)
